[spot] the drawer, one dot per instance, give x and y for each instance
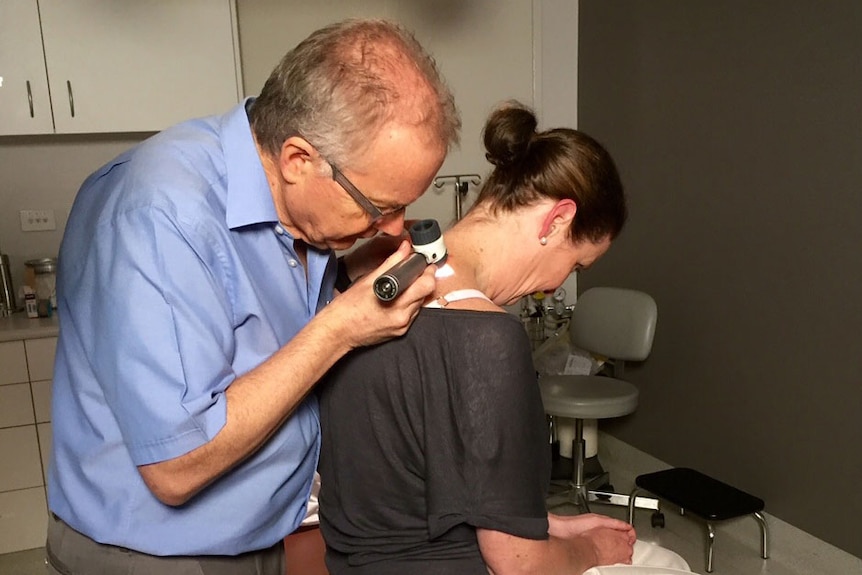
(40, 357)
(16, 407)
(23, 519)
(22, 462)
(14, 362)
(41, 400)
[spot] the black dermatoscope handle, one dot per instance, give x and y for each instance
(428, 248)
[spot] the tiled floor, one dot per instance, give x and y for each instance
(737, 544)
(31, 562)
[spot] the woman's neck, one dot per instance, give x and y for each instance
(469, 244)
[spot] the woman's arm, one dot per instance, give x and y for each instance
(574, 545)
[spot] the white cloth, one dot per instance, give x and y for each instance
(648, 559)
(311, 513)
(456, 295)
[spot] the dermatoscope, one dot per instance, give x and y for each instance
(428, 248)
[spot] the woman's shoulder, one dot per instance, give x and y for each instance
(490, 324)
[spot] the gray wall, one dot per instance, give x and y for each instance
(737, 127)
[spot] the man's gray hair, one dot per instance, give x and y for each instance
(340, 86)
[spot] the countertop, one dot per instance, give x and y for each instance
(19, 326)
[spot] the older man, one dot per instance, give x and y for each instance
(196, 301)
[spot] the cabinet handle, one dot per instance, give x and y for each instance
(30, 99)
(71, 97)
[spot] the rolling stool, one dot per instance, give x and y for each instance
(705, 497)
(589, 397)
(617, 324)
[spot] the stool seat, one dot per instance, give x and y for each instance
(704, 496)
(587, 396)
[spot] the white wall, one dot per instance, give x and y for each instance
(484, 47)
(44, 172)
(556, 85)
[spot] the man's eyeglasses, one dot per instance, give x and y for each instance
(360, 198)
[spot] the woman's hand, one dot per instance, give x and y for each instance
(575, 545)
(568, 526)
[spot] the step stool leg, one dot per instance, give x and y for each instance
(710, 541)
(632, 499)
(764, 535)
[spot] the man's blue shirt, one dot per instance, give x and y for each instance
(175, 278)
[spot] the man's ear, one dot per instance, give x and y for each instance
(296, 159)
(559, 218)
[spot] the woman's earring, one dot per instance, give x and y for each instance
(543, 240)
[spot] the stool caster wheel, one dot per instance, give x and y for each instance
(657, 519)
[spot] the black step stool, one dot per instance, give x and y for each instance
(705, 497)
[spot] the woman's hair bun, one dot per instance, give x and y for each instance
(508, 133)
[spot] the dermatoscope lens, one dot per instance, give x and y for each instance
(385, 288)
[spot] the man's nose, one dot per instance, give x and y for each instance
(392, 224)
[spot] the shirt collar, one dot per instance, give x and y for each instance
(249, 199)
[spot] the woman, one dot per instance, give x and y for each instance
(435, 451)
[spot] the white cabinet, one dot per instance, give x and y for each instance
(25, 441)
(25, 107)
(115, 66)
(14, 362)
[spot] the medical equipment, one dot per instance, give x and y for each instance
(8, 305)
(462, 183)
(428, 248)
(617, 324)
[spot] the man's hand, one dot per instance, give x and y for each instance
(364, 319)
(370, 255)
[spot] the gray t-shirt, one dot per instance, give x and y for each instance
(426, 438)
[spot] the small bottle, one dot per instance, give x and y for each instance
(30, 304)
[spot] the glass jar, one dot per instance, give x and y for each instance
(45, 279)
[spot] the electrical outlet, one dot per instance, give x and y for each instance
(37, 220)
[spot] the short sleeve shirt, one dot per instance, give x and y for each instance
(175, 278)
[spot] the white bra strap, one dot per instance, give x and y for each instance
(456, 295)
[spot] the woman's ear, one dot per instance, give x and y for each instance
(295, 159)
(559, 218)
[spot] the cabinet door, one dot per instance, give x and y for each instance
(25, 107)
(40, 357)
(13, 362)
(16, 405)
(138, 66)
